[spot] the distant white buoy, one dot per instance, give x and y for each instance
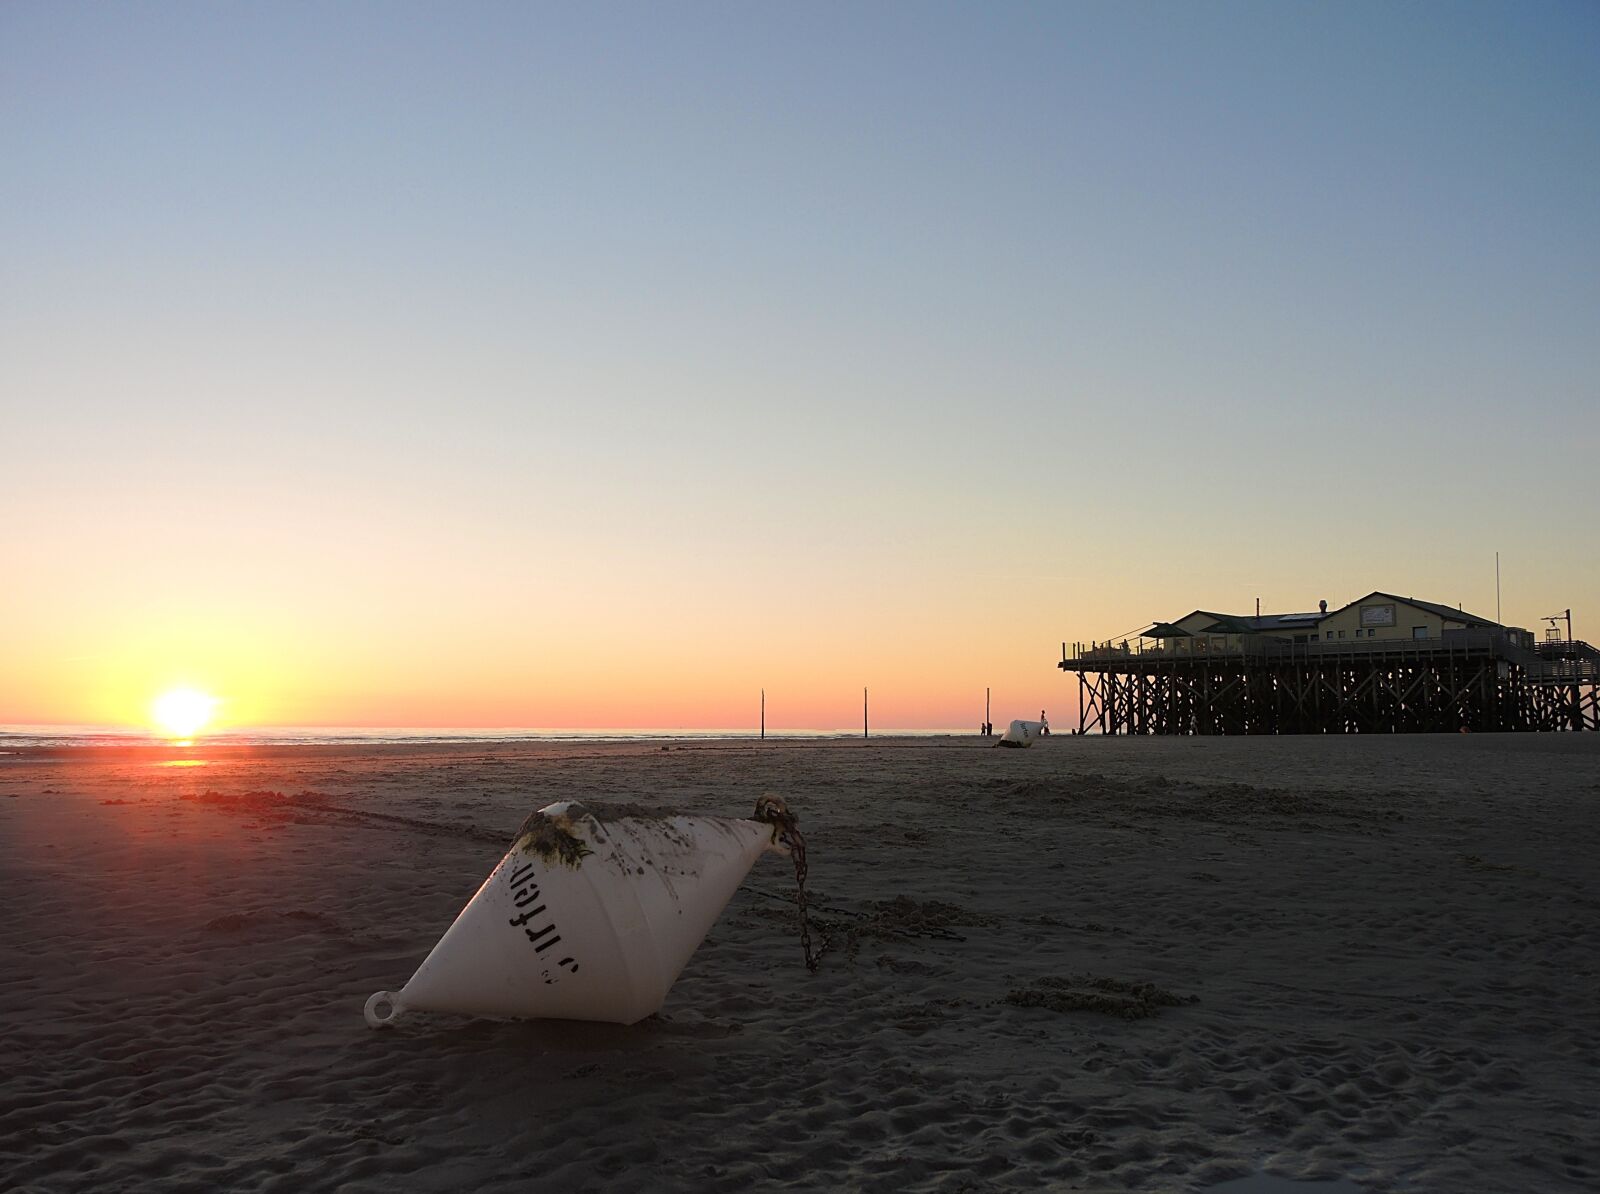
(591, 915)
(1021, 733)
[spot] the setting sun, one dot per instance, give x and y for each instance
(182, 712)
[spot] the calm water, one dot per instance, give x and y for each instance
(55, 736)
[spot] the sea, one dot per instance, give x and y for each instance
(20, 737)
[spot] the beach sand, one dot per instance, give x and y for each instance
(1393, 945)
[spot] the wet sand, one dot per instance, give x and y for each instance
(1096, 965)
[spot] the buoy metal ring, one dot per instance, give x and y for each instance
(382, 1008)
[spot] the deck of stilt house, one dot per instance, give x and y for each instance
(1481, 677)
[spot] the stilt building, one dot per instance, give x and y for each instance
(1383, 664)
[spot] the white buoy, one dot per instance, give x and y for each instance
(591, 915)
(1021, 733)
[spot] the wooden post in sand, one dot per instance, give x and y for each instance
(763, 715)
(863, 712)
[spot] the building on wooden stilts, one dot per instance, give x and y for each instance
(1383, 664)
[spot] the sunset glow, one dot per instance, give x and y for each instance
(780, 353)
(182, 712)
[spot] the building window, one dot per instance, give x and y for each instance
(1341, 634)
(1419, 632)
(1370, 633)
(1330, 635)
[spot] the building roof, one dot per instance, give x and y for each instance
(1220, 623)
(1165, 630)
(1257, 623)
(1449, 613)
(1228, 623)
(1234, 624)
(1284, 621)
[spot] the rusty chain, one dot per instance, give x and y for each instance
(775, 812)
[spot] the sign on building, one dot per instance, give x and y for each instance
(1377, 615)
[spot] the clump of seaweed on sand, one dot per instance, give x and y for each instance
(1089, 993)
(1474, 863)
(903, 917)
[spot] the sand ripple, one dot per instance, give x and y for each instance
(1393, 946)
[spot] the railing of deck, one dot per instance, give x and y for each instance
(1266, 646)
(1569, 659)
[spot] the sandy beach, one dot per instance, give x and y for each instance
(1094, 965)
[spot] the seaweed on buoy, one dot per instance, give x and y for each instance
(551, 840)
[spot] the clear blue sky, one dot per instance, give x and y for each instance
(853, 328)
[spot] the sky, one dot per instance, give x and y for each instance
(600, 365)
